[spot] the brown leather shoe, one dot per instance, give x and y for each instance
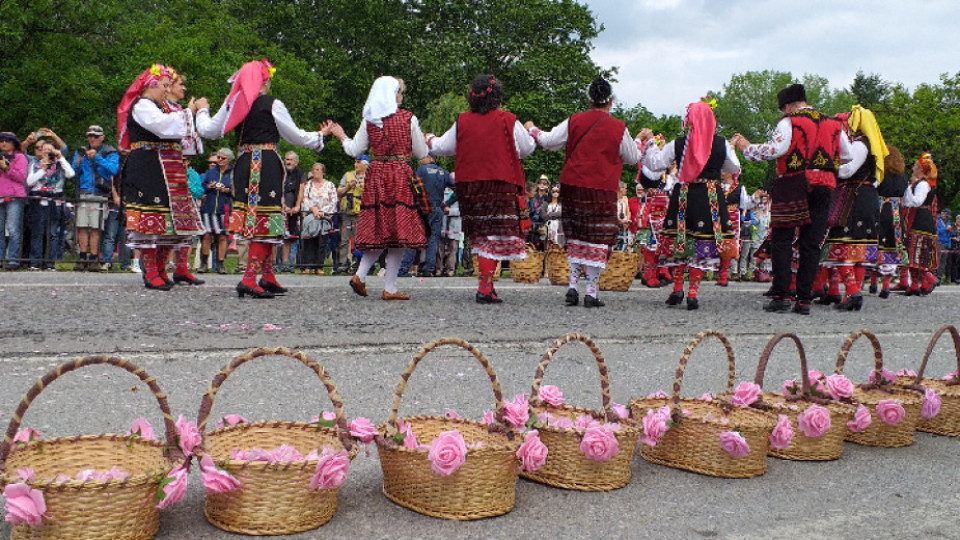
(395, 296)
(358, 286)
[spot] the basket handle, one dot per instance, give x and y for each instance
(804, 378)
(601, 366)
(731, 364)
(877, 356)
(206, 405)
(171, 450)
(926, 356)
(405, 376)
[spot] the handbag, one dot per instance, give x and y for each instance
(312, 226)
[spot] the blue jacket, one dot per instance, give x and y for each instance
(104, 165)
(943, 235)
(214, 201)
(435, 180)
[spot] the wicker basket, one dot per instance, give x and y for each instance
(566, 466)
(880, 433)
(275, 497)
(530, 269)
(693, 442)
(484, 486)
(802, 448)
(476, 268)
(947, 422)
(558, 266)
(93, 509)
(621, 270)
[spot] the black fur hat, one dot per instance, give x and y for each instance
(791, 94)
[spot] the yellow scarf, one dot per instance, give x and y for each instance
(863, 121)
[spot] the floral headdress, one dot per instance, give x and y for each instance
(150, 78)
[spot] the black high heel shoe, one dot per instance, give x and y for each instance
(692, 304)
(188, 279)
(254, 292)
(852, 303)
(675, 298)
(274, 288)
(829, 299)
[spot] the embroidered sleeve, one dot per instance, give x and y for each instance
(777, 146)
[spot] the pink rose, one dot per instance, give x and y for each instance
(544, 418)
(782, 433)
(284, 452)
(585, 422)
(790, 387)
(658, 394)
(26, 473)
(142, 429)
(814, 421)
(839, 386)
(115, 474)
(890, 411)
(820, 388)
(532, 453)
(734, 444)
(814, 375)
(599, 444)
(562, 422)
(952, 376)
(655, 426)
(173, 488)
(861, 419)
(931, 404)
(887, 376)
(488, 417)
(24, 505)
(907, 373)
(26, 435)
(452, 414)
(331, 469)
(746, 394)
(362, 429)
(409, 437)
(551, 395)
(231, 420)
(707, 397)
(188, 435)
(216, 480)
(621, 411)
(447, 452)
(87, 474)
(517, 412)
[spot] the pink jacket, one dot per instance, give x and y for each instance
(13, 181)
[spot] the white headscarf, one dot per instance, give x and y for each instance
(382, 100)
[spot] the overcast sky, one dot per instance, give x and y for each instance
(672, 52)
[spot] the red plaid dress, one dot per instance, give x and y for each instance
(388, 216)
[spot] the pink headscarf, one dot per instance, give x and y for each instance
(696, 151)
(149, 78)
(246, 88)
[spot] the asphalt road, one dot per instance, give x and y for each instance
(185, 336)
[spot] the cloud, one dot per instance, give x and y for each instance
(671, 52)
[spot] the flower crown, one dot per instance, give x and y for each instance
(271, 71)
(711, 101)
(486, 91)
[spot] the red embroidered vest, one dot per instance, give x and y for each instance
(593, 151)
(814, 148)
(486, 149)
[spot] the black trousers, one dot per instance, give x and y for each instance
(809, 241)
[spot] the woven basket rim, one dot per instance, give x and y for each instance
(715, 404)
(939, 386)
(134, 480)
(909, 397)
(278, 425)
(626, 424)
(833, 406)
(506, 446)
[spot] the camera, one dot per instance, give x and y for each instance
(7, 157)
(51, 156)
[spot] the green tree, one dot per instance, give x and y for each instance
(870, 90)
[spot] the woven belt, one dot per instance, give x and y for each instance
(143, 145)
(252, 147)
(391, 158)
